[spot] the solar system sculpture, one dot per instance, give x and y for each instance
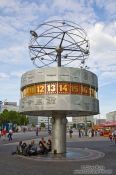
(61, 85)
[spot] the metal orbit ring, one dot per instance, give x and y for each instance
(58, 41)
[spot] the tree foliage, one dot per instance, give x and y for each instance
(74, 125)
(13, 117)
(42, 125)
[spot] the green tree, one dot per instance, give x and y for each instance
(74, 125)
(23, 120)
(42, 125)
(89, 124)
(4, 116)
(33, 125)
(13, 117)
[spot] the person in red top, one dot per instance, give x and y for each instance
(0, 133)
(4, 133)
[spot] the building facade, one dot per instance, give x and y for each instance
(1, 106)
(83, 119)
(100, 121)
(37, 120)
(10, 106)
(111, 116)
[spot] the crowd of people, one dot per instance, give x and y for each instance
(4, 134)
(83, 132)
(42, 148)
(91, 133)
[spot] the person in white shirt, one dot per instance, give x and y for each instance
(114, 136)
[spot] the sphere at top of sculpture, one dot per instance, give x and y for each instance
(58, 40)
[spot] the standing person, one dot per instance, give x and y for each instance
(0, 133)
(95, 132)
(82, 132)
(110, 136)
(4, 133)
(79, 133)
(49, 132)
(92, 133)
(37, 131)
(114, 136)
(10, 134)
(70, 133)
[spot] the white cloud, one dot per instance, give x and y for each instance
(110, 6)
(3, 76)
(17, 74)
(76, 11)
(14, 55)
(103, 50)
(5, 3)
(99, 37)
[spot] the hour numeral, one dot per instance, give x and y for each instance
(50, 88)
(63, 88)
(40, 89)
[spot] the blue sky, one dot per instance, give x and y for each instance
(97, 17)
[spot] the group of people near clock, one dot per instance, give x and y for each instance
(41, 148)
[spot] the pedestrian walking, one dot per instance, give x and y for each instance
(90, 133)
(3, 133)
(114, 136)
(0, 133)
(110, 137)
(79, 133)
(49, 132)
(10, 134)
(37, 131)
(70, 133)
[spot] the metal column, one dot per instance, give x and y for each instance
(59, 133)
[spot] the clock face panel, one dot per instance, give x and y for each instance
(59, 88)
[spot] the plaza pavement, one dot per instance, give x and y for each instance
(14, 165)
